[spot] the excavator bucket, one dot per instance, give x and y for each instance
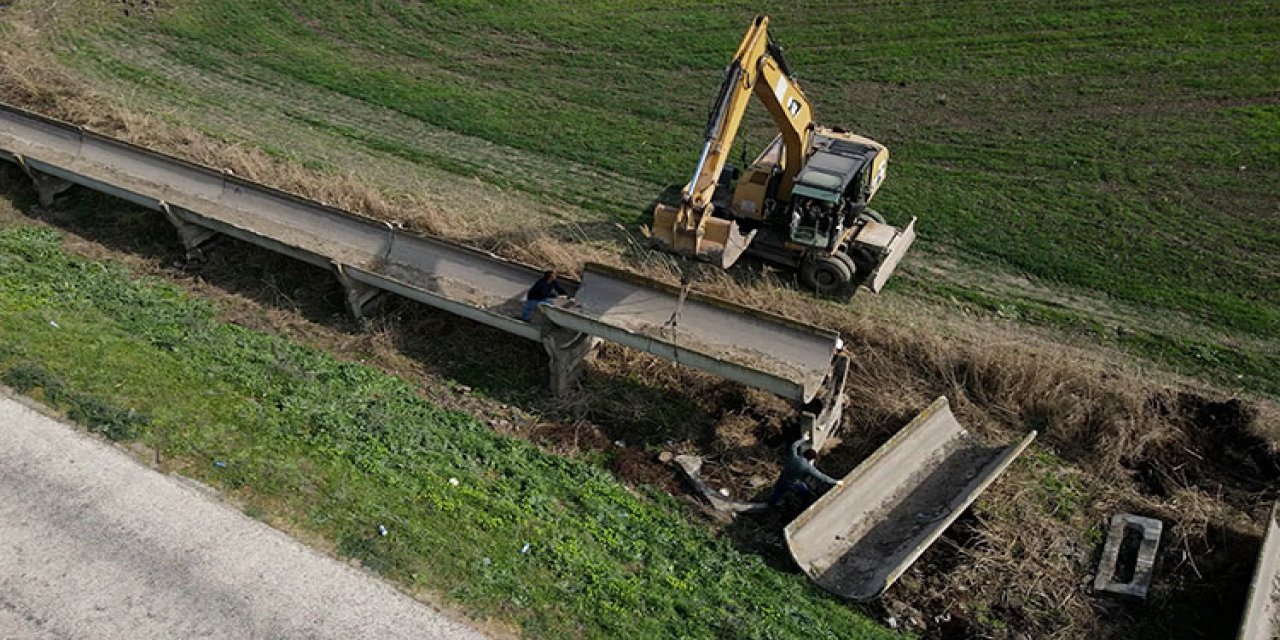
(714, 240)
(859, 538)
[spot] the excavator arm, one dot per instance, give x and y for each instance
(758, 68)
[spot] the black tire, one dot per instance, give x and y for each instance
(859, 273)
(863, 259)
(874, 215)
(828, 274)
(864, 264)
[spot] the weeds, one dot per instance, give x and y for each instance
(26, 378)
(93, 412)
(1023, 147)
(101, 417)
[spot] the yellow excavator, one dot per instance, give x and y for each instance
(803, 202)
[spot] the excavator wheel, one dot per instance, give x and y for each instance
(828, 274)
(873, 214)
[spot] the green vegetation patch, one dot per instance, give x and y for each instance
(1255, 369)
(554, 545)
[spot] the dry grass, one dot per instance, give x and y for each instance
(1126, 442)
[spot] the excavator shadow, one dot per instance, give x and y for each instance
(629, 240)
(629, 243)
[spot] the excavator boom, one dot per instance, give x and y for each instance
(690, 228)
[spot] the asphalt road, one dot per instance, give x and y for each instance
(96, 545)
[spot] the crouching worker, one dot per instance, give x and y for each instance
(544, 291)
(798, 469)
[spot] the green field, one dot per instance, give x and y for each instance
(1119, 153)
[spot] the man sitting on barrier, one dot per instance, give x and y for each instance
(799, 468)
(544, 291)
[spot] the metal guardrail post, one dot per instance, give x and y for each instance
(819, 426)
(194, 238)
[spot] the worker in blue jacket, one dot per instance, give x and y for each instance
(798, 469)
(544, 291)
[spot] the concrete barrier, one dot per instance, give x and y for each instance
(785, 357)
(369, 256)
(1262, 610)
(856, 540)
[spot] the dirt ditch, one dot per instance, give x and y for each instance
(1019, 564)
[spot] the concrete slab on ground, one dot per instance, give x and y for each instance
(1262, 612)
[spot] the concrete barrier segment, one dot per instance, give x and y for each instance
(1261, 620)
(856, 540)
(761, 350)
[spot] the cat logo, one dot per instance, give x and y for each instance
(879, 177)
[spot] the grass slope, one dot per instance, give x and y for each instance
(341, 448)
(1121, 149)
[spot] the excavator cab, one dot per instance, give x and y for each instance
(840, 170)
(831, 192)
(815, 222)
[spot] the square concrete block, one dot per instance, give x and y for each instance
(1113, 578)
